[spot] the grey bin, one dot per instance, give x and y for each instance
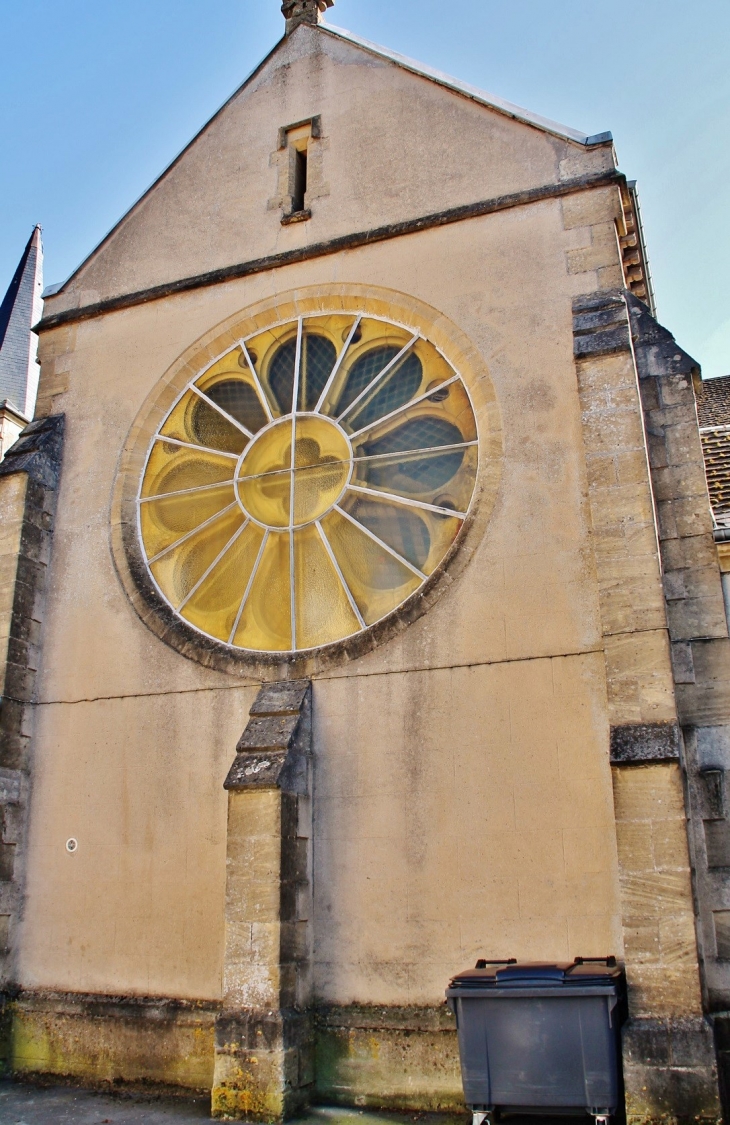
(540, 1038)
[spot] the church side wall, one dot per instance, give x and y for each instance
(463, 799)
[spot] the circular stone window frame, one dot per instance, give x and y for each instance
(383, 304)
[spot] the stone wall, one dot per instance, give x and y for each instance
(669, 1064)
(700, 648)
(117, 1041)
(28, 482)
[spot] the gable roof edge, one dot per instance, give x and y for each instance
(54, 289)
(491, 101)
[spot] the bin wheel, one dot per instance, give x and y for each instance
(482, 1117)
(602, 1118)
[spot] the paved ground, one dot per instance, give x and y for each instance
(33, 1105)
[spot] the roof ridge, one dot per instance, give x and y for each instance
(492, 101)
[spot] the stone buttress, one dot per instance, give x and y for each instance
(665, 639)
(264, 1051)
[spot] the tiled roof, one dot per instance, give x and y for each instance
(713, 405)
(713, 411)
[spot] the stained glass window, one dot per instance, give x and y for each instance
(308, 482)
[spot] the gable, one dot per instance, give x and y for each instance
(395, 144)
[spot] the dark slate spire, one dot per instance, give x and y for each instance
(21, 308)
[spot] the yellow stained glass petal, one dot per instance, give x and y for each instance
(228, 364)
(214, 607)
(330, 334)
(421, 537)
(363, 361)
(403, 529)
(196, 421)
(165, 521)
(319, 442)
(450, 404)
(265, 623)
(270, 453)
(273, 366)
(457, 408)
(323, 612)
(378, 582)
(268, 498)
(237, 394)
(445, 480)
(316, 489)
(171, 469)
(177, 572)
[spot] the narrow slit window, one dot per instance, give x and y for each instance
(298, 182)
(299, 187)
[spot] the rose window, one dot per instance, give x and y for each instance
(308, 482)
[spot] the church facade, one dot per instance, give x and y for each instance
(361, 611)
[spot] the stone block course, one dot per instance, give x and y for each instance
(695, 618)
(671, 1067)
(588, 208)
(609, 277)
(114, 1040)
(672, 482)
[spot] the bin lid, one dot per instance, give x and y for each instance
(544, 974)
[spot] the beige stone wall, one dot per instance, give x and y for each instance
(134, 741)
(463, 798)
(138, 782)
(460, 813)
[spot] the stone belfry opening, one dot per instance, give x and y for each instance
(315, 434)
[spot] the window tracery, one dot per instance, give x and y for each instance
(308, 482)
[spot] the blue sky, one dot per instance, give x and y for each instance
(96, 98)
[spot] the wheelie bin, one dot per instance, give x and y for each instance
(540, 1037)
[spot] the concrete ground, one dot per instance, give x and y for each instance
(60, 1105)
(63, 1105)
